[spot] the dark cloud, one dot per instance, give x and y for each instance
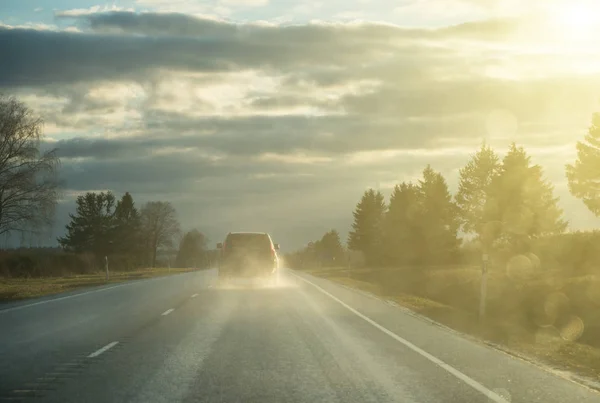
(153, 24)
(176, 41)
(174, 24)
(149, 166)
(42, 57)
(252, 136)
(181, 25)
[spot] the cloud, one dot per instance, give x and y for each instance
(202, 68)
(38, 26)
(82, 12)
(177, 42)
(176, 24)
(206, 9)
(349, 15)
(241, 121)
(438, 12)
(467, 9)
(245, 3)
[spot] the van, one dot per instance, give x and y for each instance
(248, 254)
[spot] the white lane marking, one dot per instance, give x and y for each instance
(165, 313)
(493, 396)
(194, 295)
(103, 349)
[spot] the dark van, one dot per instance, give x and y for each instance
(248, 254)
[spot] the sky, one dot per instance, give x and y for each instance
(269, 115)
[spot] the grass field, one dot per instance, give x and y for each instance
(18, 288)
(543, 345)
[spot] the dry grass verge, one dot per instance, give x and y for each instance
(20, 288)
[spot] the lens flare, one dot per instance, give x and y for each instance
(573, 329)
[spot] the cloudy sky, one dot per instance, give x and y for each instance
(277, 114)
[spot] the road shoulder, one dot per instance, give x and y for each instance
(466, 353)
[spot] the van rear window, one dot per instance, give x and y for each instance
(248, 241)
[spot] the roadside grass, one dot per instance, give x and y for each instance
(12, 289)
(539, 345)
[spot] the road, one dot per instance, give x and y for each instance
(184, 338)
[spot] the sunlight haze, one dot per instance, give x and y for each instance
(246, 113)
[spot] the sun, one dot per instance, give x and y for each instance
(576, 17)
(577, 20)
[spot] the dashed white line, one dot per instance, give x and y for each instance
(103, 349)
(493, 396)
(165, 313)
(194, 295)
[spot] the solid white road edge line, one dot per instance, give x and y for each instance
(194, 295)
(493, 396)
(103, 349)
(165, 313)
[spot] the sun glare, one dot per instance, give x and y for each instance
(577, 20)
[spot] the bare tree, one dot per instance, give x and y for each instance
(160, 225)
(28, 176)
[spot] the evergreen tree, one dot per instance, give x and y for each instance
(584, 176)
(437, 220)
(92, 226)
(127, 227)
(329, 249)
(192, 250)
(522, 202)
(366, 234)
(400, 225)
(474, 186)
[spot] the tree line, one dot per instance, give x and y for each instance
(105, 227)
(501, 204)
(503, 207)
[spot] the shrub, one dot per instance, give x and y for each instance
(43, 262)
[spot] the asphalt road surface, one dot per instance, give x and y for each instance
(184, 338)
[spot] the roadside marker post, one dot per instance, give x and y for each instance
(106, 266)
(483, 292)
